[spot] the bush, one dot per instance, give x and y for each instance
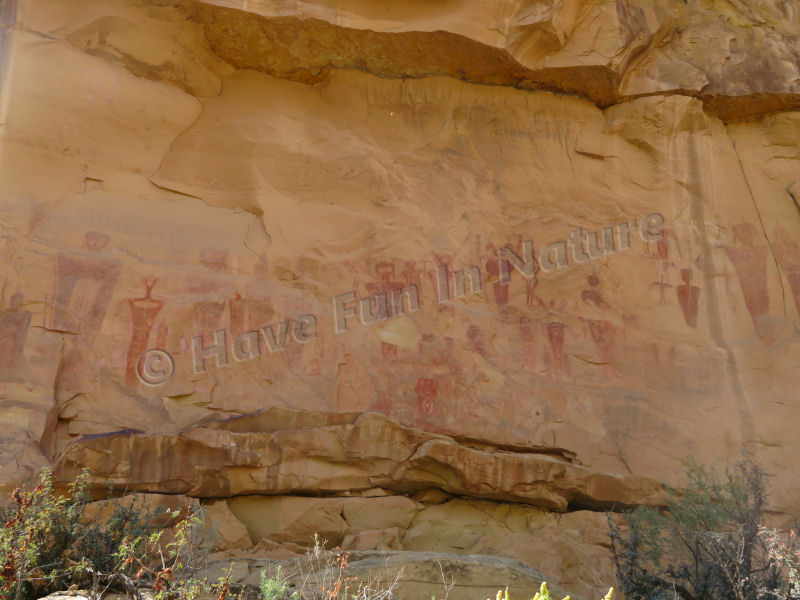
(709, 544)
(785, 550)
(275, 587)
(47, 543)
(322, 574)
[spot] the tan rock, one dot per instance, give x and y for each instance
(164, 509)
(227, 531)
(184, 185)
(27, 427)
(152, 54)
(572, 549)
(424, 574)
(296, 519)
(222, 567)
(378, 513)
(604, 52)
(373, 539)
(431, 496)
(534, 478)
(375, 450)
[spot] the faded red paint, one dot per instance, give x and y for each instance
(238, 314)
(83, 291)
(426, 390)
(161, 336)
(500, 290)
(662, 288)
(144, 311)
(412, 275)
(426, 387)
(259, 305)
(659, 249)
(441, 259)
(14, 324)
(592, 294)
(296, 353)
(555, 336)
(604, 336)
(207, 315)
(313, 368)
(383, 403)
(750, 262)
(787, 253)
(688, 298)
(528, 342)
(530, 291)
(96, 240)
(388, 351)
(216, 260)
(477, 340)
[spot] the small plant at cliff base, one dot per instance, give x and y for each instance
(47, 542)
(708, 545)
(171, 568)
(28, 524)
(323, 576)
(43, 542)
(785, 550)
(544, 594)
(273, 588)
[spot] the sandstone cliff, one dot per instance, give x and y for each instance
(451, 276)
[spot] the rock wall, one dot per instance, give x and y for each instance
(447, 277)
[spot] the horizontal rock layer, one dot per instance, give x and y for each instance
(739, 60)
(373, 452)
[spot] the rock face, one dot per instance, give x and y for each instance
(445, 277)
(411, 575)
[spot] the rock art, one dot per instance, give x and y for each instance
(404, 275)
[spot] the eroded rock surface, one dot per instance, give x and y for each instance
(255, 253)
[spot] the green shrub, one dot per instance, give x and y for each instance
(785, 550)
(47, 542)
(31, 527)
(708, 544)
(273, 588)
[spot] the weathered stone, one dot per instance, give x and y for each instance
(221, 567)
(378, 513)
(373, 539)
(374, 451)
(212, 214)
(160, 509)
(604, 52)
(539, 479)
(571, 549)
(26, 434)
(297, 520)
(423, 574)
(226, 530)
